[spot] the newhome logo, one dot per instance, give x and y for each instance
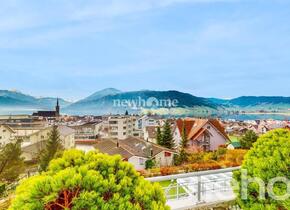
(151, 102)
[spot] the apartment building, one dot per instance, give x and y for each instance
(121, 127)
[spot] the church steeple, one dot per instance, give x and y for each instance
(57, 108)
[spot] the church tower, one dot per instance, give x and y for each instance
(57, 109)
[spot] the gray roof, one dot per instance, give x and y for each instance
(65, 130)
(129, 147)
(110, 147)
(34, 148)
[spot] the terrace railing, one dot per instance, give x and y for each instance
(195, 188)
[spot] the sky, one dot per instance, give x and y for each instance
(209, 48)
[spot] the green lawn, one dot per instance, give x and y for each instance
(173, 191)
(234, 138)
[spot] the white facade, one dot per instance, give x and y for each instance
(161, 160)
(210, 140)
(121, 127)
(138, 162)
(6, 135)
(145, 121)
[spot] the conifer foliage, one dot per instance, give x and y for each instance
(53, 145)
(183, 154)
(88, 181)
(167, 136)
(11, 162)
(159, 138)
(164, 137)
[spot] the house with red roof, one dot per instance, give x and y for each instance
(202, 134)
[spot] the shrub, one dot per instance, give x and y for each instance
(88, 181)
(149, 164)
(196, 157)
(236, 156)
(2, 188)
(267, 159)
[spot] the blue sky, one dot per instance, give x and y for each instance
(210, 48)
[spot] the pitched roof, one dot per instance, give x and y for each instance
(34, 148)
(45, 114)
(65, 130)
(194, 127)
(236, 144)
(216, 123)
(187, 123)
(110, 147)
(129, 147)
(8, 127)
(151, 131)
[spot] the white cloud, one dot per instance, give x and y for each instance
(56, 20)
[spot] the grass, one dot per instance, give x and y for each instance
(173, 191)
(234, 138)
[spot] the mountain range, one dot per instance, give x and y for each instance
(114, 101)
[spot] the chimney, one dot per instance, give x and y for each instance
(151, 152)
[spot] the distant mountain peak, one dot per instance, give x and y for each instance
(102, 93)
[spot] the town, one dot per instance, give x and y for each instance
(134, 137)
(144, 105)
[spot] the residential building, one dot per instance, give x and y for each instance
(202, 134)
(67, 136)
(87, 131)
(122, 126)
(149, 133)
(137, 151)
(6, 134)
(145, 121)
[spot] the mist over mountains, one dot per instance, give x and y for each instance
(111, 100)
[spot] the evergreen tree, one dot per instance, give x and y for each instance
(159, 137)
(126, 113)
(53, 145)
(11, 163)
(248, 139)
(167, 138)
(183, 145)
(184, 139)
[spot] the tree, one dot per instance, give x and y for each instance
(248, 139)
(88, 181)
(159, 138)
(126, 113)
(150, 163)
(53, 145)
(11, 162)
(183, 154)
(267, 159)
(167, 138)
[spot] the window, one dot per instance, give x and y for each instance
(0, 137)
(113, 122)
(4, 131)
(167, 154)
(141, 161)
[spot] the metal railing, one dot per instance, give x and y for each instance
(198, 187)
